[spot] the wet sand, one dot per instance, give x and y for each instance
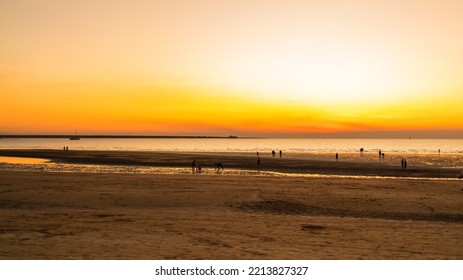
(141, 216)
(293, 164)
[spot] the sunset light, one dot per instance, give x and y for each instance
(231, 139)
(252, 68)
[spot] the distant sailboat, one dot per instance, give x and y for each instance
(75, 137)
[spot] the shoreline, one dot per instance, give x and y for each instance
(45, 167)
(290, 165)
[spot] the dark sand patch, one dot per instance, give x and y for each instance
(312, 227)
(283, 207)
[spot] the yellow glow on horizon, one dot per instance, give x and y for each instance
(226, 67)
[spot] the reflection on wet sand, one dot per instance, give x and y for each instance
(22, 160)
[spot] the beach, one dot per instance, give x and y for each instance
(349, 164)
(72, 215)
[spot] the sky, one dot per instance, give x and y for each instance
(248, 68)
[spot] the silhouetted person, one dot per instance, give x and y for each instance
(273, 153)
(405, 164)
(438, 151)
(281, 153)
(382, 155)
(379, 153)
(337, 156)
(257, 153)
(402, 162)
(219, 167)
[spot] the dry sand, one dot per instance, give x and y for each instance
(140, 216)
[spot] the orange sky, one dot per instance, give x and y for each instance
(248, 68)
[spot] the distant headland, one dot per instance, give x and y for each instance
(112, 136)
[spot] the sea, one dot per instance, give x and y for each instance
(447, 153)
(290, 145)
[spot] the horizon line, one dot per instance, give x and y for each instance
(358, 135)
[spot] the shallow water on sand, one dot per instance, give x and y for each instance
(22, 160)
(446, 153)
(46, 166)
(454, 160)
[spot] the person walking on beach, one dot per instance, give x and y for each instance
(219, 167)
(337, 156)
(273, 153)
(257, 153)
(405, 164)
(281, 153)
(402, 164)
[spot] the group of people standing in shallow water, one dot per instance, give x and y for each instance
(218, 166)
(273, 155)
(197, 167)
(381, 156)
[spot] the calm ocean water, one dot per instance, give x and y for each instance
(415, 146)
